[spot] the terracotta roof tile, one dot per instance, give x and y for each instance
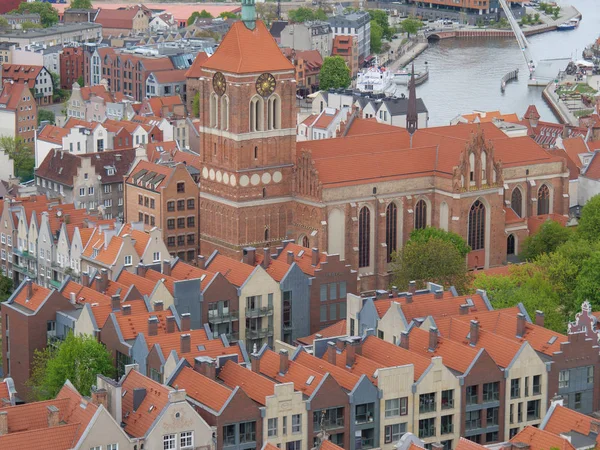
(390, 355)
(11, 94)
(565, 420)
(184, 271)
(328, 445)
(39, 294)
(361, 366)
(195, 71)
(302, 257)
(592, 171)
(346, 379)
(277, 268)
(155, 277)
(61, 437)
(235, 271)
(21, 73)
(248, 51)
(141, 238)
(337, 329)
(170, 76)
(202, 389)
(465, 444)
(541, 440)
(133, 324)
(138, 422)
(575, 147)
(102, 311)
(305, 380)
(4, 393)
(153, 176)
(257, 387)
(144, 285)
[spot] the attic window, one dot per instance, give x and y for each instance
(552, 340)
(110, 171)
(201, 348)
(310, 380)
(94, 253)
(300, 253)
(123, 394)
(151, 408)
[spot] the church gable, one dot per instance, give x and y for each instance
(477, 168)
(306, 177)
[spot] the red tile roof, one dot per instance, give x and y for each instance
(155, 277)
(202, 389)
(133, 324)
(337, 329)
(277, 267)
(184, 271)
(11, 95)
(390, 355)
(257, 387)
(138, 422)
(541, 440)
(21, 73)
(593, 169)
(195, 71)
(305, 380)
(328, 445)
(170, 76)
(361, 366)
(248, 51)
(346, 379)
(564, 420)
(39, 294)
(465, 444)
(120, 18)
(575, 147)
(302, 257)
(152, 176)
(235, 271)
(143, 284)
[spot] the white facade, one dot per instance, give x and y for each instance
(7, 123)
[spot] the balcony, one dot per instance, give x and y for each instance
(219, 317)
(287, 327)
(447, 404)
(57, 284)
(24, 270)
(259, 333)
(447, 428)
(367, 443)
(232, 337)
(329, 424)
(427, 407)
(259, 312)
(427, 432)
(24, 254)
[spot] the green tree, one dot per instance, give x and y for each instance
(21, 154)
(303, 14)
(589, 223)
(30, 25)
(588, 282)
(437, 260)
(556, 13)
(376, 36)
(228, 15)
(381, 17)
(4, 23)
(6, 288)
(550, 235)
(426, 234)
(48, 15)
(266, 11)
(334, 73)
(196, 105)
(77, 359)
(81, 81)
(45, 115)
(204, 14)
(81, 4)
(411, 25)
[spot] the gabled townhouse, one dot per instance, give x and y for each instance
(328, 405)
(232, 413)
(165, 83)
(573, 359)
(481, 381)
(284, 411)
(338, 329)
(331, 279)
(165, 197)
(294, 285)
(260, 311)
(566, 422)
(80, 239)
(153, 415)
(130, 20)
(28, 323)
(76, 136)
(110, 252)
(25, 252)
(69, 421)
(163, 124)
(525, 372)
(152, 290)
(128, 134)
(37, 78)
(18, 111)
(533, 438)
(97, 102)
(323, 125)
(149, 245)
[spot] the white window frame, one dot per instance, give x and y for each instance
(128, 260)
(186, 439)
(169, 441)
(156, 257)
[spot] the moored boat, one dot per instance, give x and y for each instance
(402, 77)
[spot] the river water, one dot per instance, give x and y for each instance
(465, 74)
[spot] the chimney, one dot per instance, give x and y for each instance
(3, 423)
(266, 257)
(283, 361)
(412, 287)
(206, 366)
(405, 340)
(433, 338)
(185, 322)
(249, 256)
(185, 343)
(85, 279)
(53, 419)
(474, 334)
(290, 257)
(350, 354)
(158, 305)
(464, 309)
(255, 362)
(315, 256)
(126, 310)
(152, 326)
(141, 270)
(331, 352)
(520, 325)
(104, 278)
(72, 298)
(201, 262)
(439, 294)
(539, 318)
(170, 324)
(115, 301)
(594, 426)
(409, 298)
(29, 289)
(100, 397)
(166, 267)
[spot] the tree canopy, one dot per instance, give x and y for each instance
(381, 17)
(204, 14)
(428, 233)
(550, 235)
(48, 15)
(21, 154)
(77, 359)
(196, 105)
(303, 14)
(411, 25)
(334, 73)
(589, 223)
(81, 4)
(376, 37)
(4, 23)
(266, 11)
(228, 15)
(431, 256)
(6, 287)
(45, 115)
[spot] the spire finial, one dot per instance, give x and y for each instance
(249, 13)
(412, 118)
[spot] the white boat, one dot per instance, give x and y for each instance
(374, 79)
(402, 77)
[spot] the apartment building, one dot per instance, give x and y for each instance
(71, 66)
(130, 20)
(165, 197)
(18, 113)
(55, 35)
(165, 83)
(347, 48)
(356, 24)
(314, 35)
(37, 79)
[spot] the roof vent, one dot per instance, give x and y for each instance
(151, 408)
(310, 380)
(552, 340)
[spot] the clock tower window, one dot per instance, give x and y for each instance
(256, 113)
(274, 112)
(225, 113)
(214, 110)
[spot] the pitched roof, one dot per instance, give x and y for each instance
(390, 355)
(202, 389)
(592, 171)
(465, 444)
(117, 18)
(21, 73)
(235, 271)
(106, 254)
(564, 420)
(248, 51)
(361, 366)
(141, 238)
(575, 147)
(11, 95)
(170, 76)
(328, 445)
(150, 175)
(541, 440)
(489, 116)
(33, 302)
(337, 329)
(346, 379)
(305, 380)
(58, 165)
(195, 70)
(133, 324)
(144, 285)
(184, 271)
(257, 387)
(138, 422)
(302, 257)
(277, 268)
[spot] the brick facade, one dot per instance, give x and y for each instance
(71, 66)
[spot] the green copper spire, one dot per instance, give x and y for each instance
(249, 13)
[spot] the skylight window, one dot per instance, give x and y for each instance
(310, 380)
(300, 253)
(552, 340)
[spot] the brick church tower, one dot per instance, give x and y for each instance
(248, 132)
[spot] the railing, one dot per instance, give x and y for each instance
(329, 424)
(367, 442)
(426, 432)
(287, 327)
(24, 270)
(448, 428)
(232, 337)
(259, 333)
(448, 404)
(56, 283)
(473, 424)
(427, 407)
(258, 312)
(364, 418)
(24, 254)
(223, 316)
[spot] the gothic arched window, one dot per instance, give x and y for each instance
(224, 113)
(391, 229)
(510, 244)
(256, 113)
(476, 235)
(543, 198)
(420, 214)
(516, 202)
(274, 113)
(364, 237)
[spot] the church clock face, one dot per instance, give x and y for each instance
(265, 85)
(219, 83)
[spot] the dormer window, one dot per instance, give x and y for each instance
(94, 253)
(110, 171)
